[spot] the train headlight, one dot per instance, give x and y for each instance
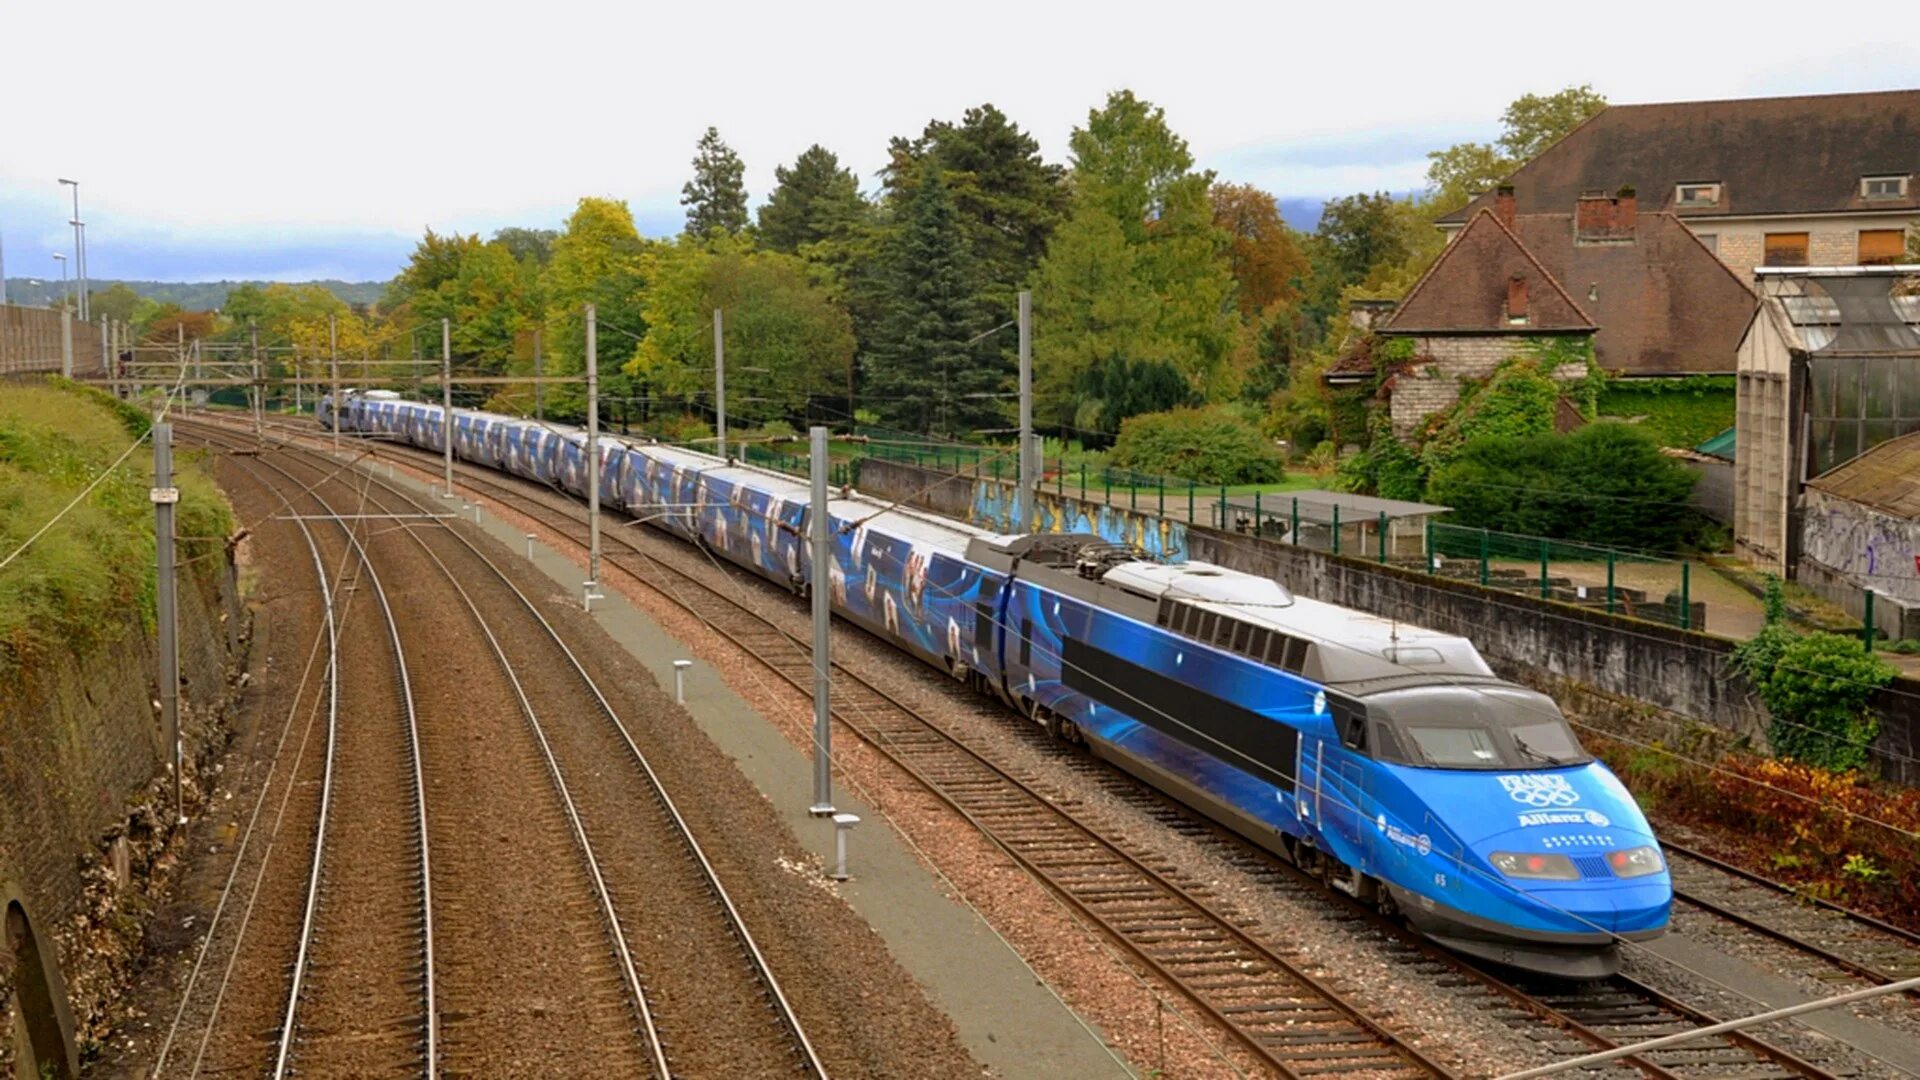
(1635, 861)
(1540, 867)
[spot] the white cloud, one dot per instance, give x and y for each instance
(255, 122)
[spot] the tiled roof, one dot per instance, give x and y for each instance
(1885, 478)
(1664, 303)
(1465, 290)
(1783, 155)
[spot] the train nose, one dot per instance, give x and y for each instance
(1613, 907)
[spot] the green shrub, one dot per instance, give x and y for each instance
(1604, 484)
(1676, 412)
(684, 428)
(1212, 445)
(1818, 694)
(1517, 401)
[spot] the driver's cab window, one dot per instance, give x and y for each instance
(1350, 721)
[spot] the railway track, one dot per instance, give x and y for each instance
(636, 846)
(1851, 942)
(1597, 1016)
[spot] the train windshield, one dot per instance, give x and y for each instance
(1477, 727)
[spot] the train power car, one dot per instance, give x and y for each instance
(1385, 757)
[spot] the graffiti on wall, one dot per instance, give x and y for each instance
(1873, 547)
(994, 507)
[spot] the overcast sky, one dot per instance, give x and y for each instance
(294, 141)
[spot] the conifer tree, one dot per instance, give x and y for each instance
(716, 197)
(814, 200)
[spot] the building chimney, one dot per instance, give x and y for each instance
(1503, 204)
(1626, 211)
(1517, 298)
(1593, 216)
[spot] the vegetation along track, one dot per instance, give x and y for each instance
(1597, 1016)
(651, 879)
(1287, 1018)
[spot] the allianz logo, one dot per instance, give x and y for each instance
(1540, 790)
(1565, 817)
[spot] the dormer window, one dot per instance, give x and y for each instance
(1883, 187)
(1696, 195)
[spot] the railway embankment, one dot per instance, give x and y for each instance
(86, 845)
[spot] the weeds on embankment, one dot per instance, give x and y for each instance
(69, 591)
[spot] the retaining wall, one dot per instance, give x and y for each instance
(1528, 639)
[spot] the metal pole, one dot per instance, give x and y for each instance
(593, 448)
(1336, 528)
(1429, 545)
(105, 367)
(1866, 623)
(164, 496)
(1686, 599)
(1029, 469)
(1383, 536)
(66, 341)
(719, 385)
(1610, 555)
(446, 403)
(253, 334)
(1543, 568)
(539, 391)
(820, 579)
(1636, 1049)
(333, 362)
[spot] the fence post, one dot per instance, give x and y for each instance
(1483, 556)
(1190, 517)
(1256, 513)
(1686, 605)
(1336, 528)
(1295, 534)
(1383, 536)
(1163, 496)
(1059, 475)
(1106, 477)
(1609, 581)
(1543, 568)
(1429, 522)
(1133, 490)
(1866, 624)
(1083, 479)
(1225, 523)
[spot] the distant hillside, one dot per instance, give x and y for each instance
(190, 295)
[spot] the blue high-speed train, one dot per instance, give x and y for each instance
(1385, 757)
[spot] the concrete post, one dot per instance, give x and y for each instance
(822, 585)
(1029, 467)
(446, 403)
(539, 391)
(164, 496)
(253, 335)
(593, 448)
(333, 363)
(66, 342)
(719, 385)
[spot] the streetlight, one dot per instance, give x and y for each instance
(79, 246)
(65, 298)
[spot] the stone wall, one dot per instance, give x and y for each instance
(1534, 641)
(81, 763)
(1442, 362)
(31, 340)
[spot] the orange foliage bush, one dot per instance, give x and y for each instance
(1839, 836)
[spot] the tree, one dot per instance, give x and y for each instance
(1093, 313)
(435, 261)
(787, 341)
(716, 197)
(1009, 199)
(1133, 176)
(118, 302)
(524, 244)
(598, 258)
(1534, 122)
(1267, 263)
(922, 369)
(1530, 124)
(815, 200)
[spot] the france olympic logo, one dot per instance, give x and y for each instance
(1540, 791)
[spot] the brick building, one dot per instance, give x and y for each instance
(1824, 180)
(1651, 299)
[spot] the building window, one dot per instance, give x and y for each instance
(1712, 240)
(1686, 195)
(1882, 247)
(1883, 187)
(1786, 249)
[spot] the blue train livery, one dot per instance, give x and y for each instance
(1385, 757)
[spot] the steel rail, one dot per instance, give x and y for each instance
(737, 925)
(798, 674)
(429, 1000)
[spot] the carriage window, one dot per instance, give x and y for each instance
(1296, 655)
(1208, 620)
(1257, 647)
(1351, 720)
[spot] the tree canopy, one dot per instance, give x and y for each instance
(1530, 124)
(815, 200)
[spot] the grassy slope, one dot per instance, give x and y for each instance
(69, 591)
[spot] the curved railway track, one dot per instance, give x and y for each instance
(589, 800)
(1114, 894)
